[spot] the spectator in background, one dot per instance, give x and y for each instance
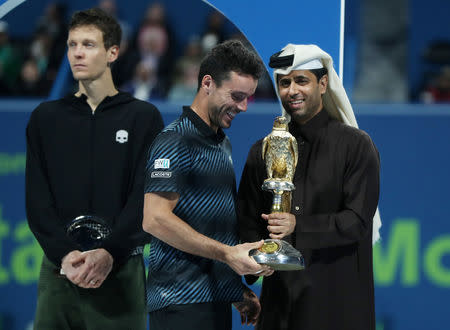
(438, 91)
(155, 42)
(265, 90)
(110, 7)
(185, 86)
(155, 15)
(44, 53)
(31, 81)
(53, 21)
(144, 85)
(50, 36)
(40, 50)
(10, 61)
(382, 52)
(214, 32)
(436, 80)
(184, 83)
(47, 63)
(122, 69)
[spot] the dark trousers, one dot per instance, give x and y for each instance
(119, 303)
(211, 316)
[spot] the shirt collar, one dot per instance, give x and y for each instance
(204, 128)
(309, 130)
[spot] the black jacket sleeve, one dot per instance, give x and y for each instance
(42, 215)
(127, 232)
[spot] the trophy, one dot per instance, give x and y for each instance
(88, 231)
(280, 153)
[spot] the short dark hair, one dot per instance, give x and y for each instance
(108, 25)
(229, 56)
(319, 73)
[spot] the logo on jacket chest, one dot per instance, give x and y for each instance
(122, 136)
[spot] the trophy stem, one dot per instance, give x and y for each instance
(276, 203)
(281, 201)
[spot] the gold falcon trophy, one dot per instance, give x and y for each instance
(280, 152)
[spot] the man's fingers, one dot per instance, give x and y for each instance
(273, 216)
(274, 222)
(81, 278)
(71, 255)
(72, 274)
(276, 236)
(95, 283)
(278, 230)
(83, 272)
(254, 245)
(279, 222)
(270, 217)
(275, 229)
(74, 260)
(91, 279)
(264, 271)
(267, 272)
(77, 263)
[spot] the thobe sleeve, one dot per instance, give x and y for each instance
(360, 199)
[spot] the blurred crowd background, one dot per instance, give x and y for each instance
(153, 64)
(156, 64)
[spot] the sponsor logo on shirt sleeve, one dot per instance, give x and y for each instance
(161, 175)
(162, 163)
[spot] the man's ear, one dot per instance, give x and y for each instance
(207, 83)
(113, 54)
(323, 84)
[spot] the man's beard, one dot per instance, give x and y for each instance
(217, 114)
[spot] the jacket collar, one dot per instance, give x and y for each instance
(109, 102)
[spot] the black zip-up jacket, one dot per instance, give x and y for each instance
(80, 162)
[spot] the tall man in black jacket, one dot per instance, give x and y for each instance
(85, 155)
(333, 205)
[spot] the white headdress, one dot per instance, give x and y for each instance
(335, 100)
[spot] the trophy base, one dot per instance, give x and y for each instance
(278, 255)
(277, 185)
